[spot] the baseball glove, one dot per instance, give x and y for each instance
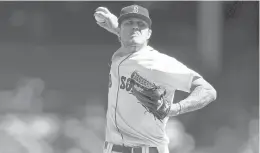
(151, 96)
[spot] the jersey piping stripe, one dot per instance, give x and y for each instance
(118, 92)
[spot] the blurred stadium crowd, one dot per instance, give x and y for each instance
(54, 75)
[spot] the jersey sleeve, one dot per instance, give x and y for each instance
(168, 71)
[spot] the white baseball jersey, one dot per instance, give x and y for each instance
(128, 122)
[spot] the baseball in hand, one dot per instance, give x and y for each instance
(99, 18)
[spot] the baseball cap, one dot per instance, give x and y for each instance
(135, 11)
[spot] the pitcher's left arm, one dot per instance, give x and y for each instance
(202, 93)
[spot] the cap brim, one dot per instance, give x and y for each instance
(134, 15)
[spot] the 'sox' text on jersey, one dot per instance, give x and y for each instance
(126, 83)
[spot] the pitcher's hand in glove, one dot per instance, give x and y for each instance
(151, 96)
(110, 22)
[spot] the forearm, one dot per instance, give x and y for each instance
(199, 98)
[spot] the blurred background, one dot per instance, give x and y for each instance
(54, 74)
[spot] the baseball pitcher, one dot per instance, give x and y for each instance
(142, 83)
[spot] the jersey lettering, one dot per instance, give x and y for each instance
(123, 85)
(126, 83)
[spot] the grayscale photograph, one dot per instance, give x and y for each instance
(129, 77)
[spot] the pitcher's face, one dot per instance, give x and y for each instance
(134, 31)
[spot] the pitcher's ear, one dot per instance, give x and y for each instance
(149, 33)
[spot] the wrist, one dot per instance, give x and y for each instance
(175, 109)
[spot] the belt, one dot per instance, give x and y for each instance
(126, 149)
